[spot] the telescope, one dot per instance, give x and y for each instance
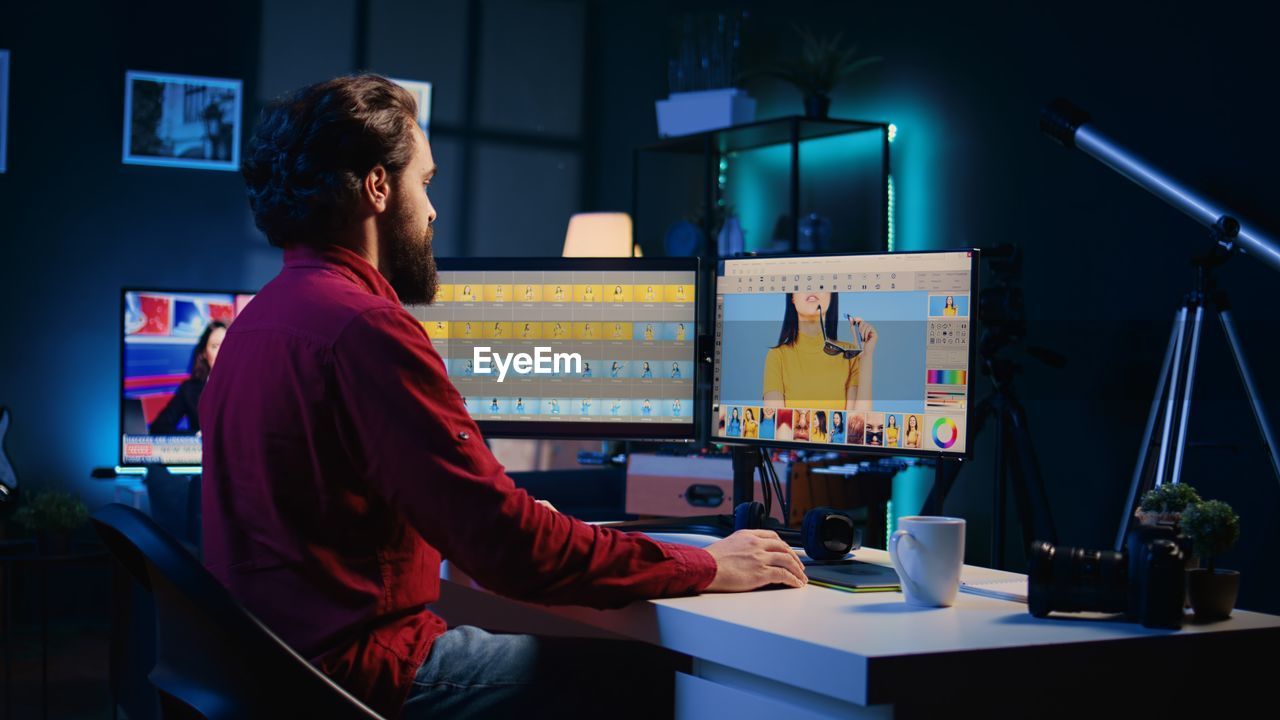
(1074, 128)
(1164, 440)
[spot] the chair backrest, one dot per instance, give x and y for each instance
(213, 658)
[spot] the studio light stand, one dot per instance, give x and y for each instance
(1001, 312)
(1164, 440)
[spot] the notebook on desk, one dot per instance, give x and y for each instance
(853, 576)
(1012, 590)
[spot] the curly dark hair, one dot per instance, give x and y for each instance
(314, 147)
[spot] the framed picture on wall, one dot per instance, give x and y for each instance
(181, 121)
(422, 92)
(4, 110)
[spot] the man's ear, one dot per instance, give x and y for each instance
(377, 188)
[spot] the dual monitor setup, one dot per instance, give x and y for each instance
(867, 353)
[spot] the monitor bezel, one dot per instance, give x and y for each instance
(592, 431)
(974, 288)
(120, 459)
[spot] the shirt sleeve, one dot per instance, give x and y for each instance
(407, 427)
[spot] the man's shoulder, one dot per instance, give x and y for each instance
(313, 301)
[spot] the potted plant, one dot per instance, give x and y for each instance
(1213, 527)
(52, 517)
(824, 62)
(1164, 505)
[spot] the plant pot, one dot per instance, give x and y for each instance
(54, 542)
(1147, 517)
(1213, 594)
(817, 106)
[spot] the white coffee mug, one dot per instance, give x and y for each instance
(927, 552)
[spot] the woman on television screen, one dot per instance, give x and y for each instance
(186, 399)
(735, 423)
(837, 426)
(809, 367)
(750, 428)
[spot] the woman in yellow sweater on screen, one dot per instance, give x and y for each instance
(809, 368)
(913, 431)
(750, 428)
(891, 431)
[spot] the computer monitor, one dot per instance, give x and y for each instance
(570, 347)
(161, 370)
(790, 371)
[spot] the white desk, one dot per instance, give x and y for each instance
(815, 652)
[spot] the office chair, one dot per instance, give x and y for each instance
(214, 660)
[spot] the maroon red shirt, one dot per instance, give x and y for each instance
(340, 467)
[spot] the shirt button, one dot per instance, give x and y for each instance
(464, 435)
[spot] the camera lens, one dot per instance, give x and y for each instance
(1076, 580)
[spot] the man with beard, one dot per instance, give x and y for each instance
(341, 466)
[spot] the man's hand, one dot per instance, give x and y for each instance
(750, 559)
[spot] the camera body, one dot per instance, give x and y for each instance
(1146, 581)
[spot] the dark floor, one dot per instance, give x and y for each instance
(77, 672)
(75, 598)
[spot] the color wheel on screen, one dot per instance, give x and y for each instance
(945, 433)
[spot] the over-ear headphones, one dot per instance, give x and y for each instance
(826, 534)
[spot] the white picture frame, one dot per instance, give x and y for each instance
(4, 111)
(421, 91)
(182, 121)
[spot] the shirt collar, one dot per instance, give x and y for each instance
(346, 263)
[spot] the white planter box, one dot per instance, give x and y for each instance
(694, 112)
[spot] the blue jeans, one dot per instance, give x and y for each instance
(471, 673)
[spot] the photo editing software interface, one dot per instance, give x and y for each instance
(162, 373)
(869, 351)
(569, 345)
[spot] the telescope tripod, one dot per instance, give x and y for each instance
(1165, 438)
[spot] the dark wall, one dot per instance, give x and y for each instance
(77, 225)
(1188, 85)
(1185, 84)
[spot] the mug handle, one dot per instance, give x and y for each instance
(907, 582)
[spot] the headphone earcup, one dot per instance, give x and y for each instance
(748, 516)
(827, 534)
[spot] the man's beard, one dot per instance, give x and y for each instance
(408, 264)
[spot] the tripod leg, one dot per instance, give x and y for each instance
(1171, 403)
(1003, 447)
(1264, 427)
(1033, 501)
(945, 475)
(1147, 435)
(1184, 415)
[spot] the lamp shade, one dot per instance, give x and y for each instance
(605, 234)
